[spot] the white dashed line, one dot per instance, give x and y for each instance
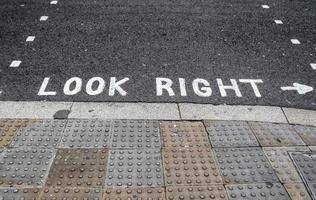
(313, 65)
(43, 18)
(278, 21)
(265, 6)
(53, 2)
(15, 63)
(30, 38)
(22, 5)
(295, 41)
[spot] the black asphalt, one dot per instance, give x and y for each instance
(146, 39)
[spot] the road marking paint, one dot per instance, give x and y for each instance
(313, 65)
(277, 21)
(43, 18)
(15, 63)
(265, 6)
(295, 41)
(300, 88)
(22, 5)
(53, 2)
(30, 38)
(233, 86)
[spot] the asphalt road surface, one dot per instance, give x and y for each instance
(251, 52)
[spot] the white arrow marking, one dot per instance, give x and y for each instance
(300, 88)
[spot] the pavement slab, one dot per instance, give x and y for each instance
(307, 133)
(20, 193)
(132, 193)
(230, 134)
(8, 129)
(297, 191)
(306, 165)
(71, 193)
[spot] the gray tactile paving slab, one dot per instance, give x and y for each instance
(137, 193)
(25, 167)
(216, 192)
(78, 168)
(71, 193)
(307, 133)
(8, 129)
(183, 134)
(259, 191)
(40, 133)
(244, 165)
(134, 134)
(230, 134)
(306, 165)
(134, 168)
(297, 191)
(312, 148)
(84, 133)
(312, 188)
(19, 193)
(270, 135)
(282, 163)
(190, 166)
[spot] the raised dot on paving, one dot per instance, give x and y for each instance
(71, 193)
(154, 193)
(313, 65)
(43, 18)
(295, 41)
(278, 21)
(183, 134)
(134, 168)
(230, 134)
(216, 192)
(25, 167)
(135, 134)
(8, 129)
(190, 166)
(84, 133)
(30, 38)
(305, 162)
(282, 163)
(78, 168)
(244, 165)
(39, 133)
(265, 6)
(20, 193)
(274, 135)
(258, 191)
(15, 63)
(307, 133)
(297, 191)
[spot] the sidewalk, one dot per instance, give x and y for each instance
(82, 157)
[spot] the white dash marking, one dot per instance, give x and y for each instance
(43, 18)
(53, 2)
(313, 65)
(22, 5)
(15, 63)
(30, 38)
(295, 41)
(265, 6)
(278, 21)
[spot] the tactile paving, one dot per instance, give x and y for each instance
(306, 165)
(19, 193)
(297, 191)
(40, 133)
(25, 167)
(259, 191)
(134, 168)
(230, 134)
(190, 166)
(216, 192)
(133, 134)
(78, 168)
(184, 134)
(307, 133)
(134, 193)
(84, 133)
(282, 163)
(270, 135)
(244, 165)
(71, 193)
(312, 188)
(8, 129)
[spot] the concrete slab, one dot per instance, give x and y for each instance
(300, 116)
(166, 111)
(224, 112)
(31, 109)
